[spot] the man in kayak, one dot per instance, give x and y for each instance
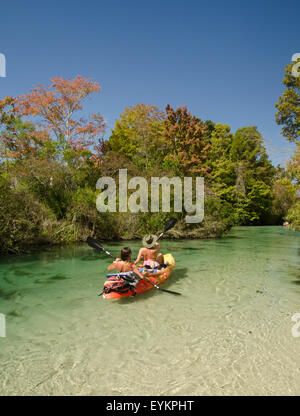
(149, 252)
(125, 264)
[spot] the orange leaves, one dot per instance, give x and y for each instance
(185, 135)
(56, 105)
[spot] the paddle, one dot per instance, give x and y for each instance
(96, 245)
(163, 290)
(169, 224)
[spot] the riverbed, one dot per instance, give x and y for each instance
(229, 333)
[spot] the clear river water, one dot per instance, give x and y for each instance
(230, 333)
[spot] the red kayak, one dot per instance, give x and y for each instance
(143, 285)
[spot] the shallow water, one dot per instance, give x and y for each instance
(230, 333)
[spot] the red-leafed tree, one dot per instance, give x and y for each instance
(186, 137)
(19, 139)
(56, 108)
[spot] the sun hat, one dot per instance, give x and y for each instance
(149, 240)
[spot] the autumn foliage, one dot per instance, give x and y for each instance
(51, 158)
(185, 137)
(56, 107)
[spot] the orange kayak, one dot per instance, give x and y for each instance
(143, 285)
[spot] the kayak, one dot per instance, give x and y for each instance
(143, 285)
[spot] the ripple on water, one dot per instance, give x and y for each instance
(228, 334)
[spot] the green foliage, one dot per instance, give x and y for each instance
(48, 190)
(138, 135)
(288, 106)
(286, 188)
(293, 216)
(21, 217)
(241, 173)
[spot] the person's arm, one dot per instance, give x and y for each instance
(113, 265)
(158, 247)
(136, 270)
(157, 273)
(139, 256)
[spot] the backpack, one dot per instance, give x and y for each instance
(121, 283)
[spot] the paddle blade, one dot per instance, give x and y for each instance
(170, 291)
(170, 224)
(94, 244)
(97, 246)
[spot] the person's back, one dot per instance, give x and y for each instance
(149, 252)
(124, 264)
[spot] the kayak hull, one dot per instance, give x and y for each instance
(143, 285)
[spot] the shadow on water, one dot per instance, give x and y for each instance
(15, 314)
(177, 275)
(23, 273)
(91, 258)
(193, 248)
(231, 237)
(58, 277)
(8, 295)
(51, 279)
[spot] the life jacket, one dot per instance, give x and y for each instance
(120, 283)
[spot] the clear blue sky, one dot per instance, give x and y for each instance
(223, 59)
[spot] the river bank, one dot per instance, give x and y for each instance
(63, 233)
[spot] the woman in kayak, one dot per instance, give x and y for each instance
(125, 264)
(149, 251)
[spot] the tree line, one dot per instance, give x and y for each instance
(51, 158)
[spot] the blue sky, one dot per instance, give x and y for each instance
(223, 59)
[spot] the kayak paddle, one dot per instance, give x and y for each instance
(96, 245)
(157, 287)
(169, 224)
(163, 290)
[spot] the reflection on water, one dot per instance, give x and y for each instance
(228, 334)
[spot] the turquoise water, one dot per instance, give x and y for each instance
(230, 333)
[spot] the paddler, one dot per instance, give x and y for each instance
(149, 251)
(124, 263)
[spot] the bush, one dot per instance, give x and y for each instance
(21, 217)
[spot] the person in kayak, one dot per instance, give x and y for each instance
(124, 263)
(149, 251)
(161, 261)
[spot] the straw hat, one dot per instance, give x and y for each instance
(149, 240)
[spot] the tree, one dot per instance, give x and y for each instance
(18, 139)
(56, 106)
(138, 135)
(186, 139)
(222, 168)
(288, 106)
